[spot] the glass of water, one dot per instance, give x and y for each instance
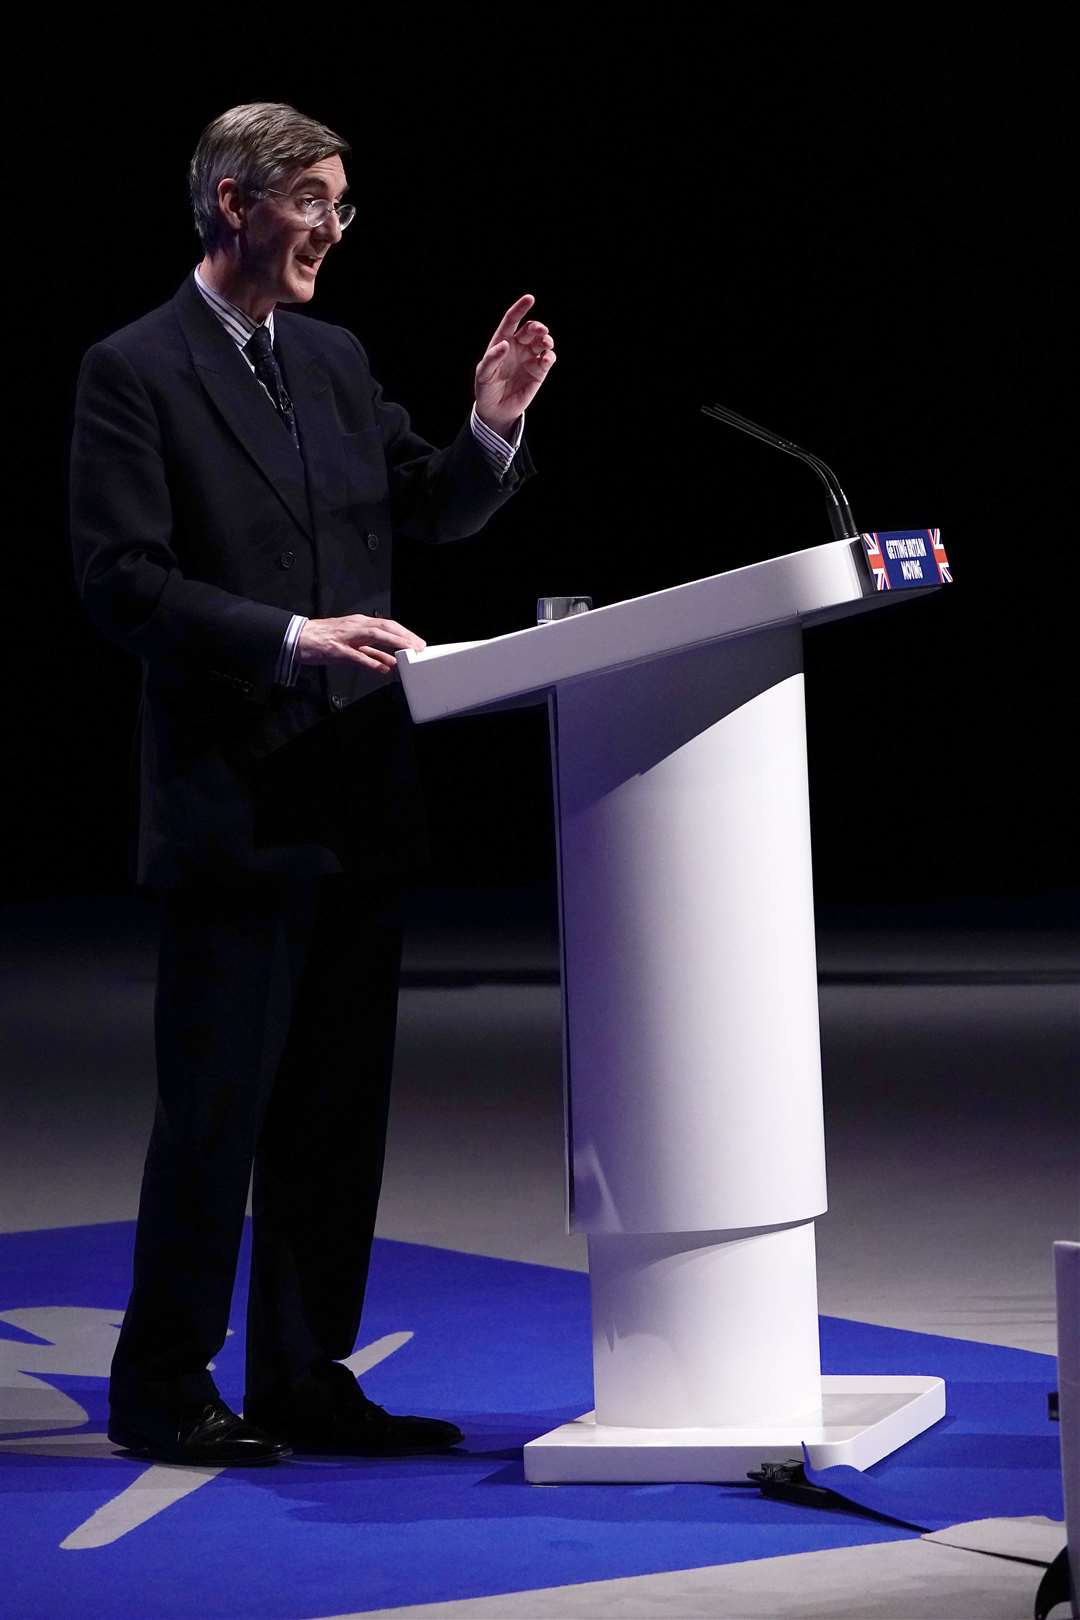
(550, 608)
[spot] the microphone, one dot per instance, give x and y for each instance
(840, 518)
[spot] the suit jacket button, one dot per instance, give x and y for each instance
(286, 559)
(338, 702)
(371, 540)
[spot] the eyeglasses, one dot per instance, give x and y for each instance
(315, 210)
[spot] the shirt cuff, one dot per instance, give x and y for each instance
(288, 664)
(498, 452)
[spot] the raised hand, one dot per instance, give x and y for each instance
(512, 368)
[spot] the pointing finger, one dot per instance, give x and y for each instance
(508, 324)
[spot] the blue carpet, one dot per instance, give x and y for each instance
(996, 1447)
(503, 1349)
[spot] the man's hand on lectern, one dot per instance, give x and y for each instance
(513, 367)
(356, 639)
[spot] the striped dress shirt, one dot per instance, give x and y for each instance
(498, 452)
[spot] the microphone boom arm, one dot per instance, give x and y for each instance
(840, 518)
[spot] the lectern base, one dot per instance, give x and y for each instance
(861, 1420)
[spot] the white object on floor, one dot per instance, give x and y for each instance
(1067, 1277)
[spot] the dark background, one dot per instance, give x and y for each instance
(851, 239)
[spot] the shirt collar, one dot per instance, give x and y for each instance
(238, 325)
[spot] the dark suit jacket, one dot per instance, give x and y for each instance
(197, 531)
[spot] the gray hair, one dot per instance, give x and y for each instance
(257, 145)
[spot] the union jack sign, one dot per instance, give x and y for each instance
(940, 558)
(906, 559)
(876, 561)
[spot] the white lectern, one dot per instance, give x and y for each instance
(695, 1149)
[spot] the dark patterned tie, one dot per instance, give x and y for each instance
(260, 351)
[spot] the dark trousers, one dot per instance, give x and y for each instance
(274, 1030)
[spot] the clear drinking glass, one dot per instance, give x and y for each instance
(550, 608)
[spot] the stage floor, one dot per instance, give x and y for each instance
(952, 1106)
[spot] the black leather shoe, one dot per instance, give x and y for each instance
(345, 1423)
(212, 1437)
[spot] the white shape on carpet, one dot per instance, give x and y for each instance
(896, 1580)
(1034, 1540)
(91, 1336)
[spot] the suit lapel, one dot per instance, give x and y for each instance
(242, 403)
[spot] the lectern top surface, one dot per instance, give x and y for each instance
(802, 588)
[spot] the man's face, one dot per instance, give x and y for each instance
(281, 253)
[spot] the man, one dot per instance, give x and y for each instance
(237, 479)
